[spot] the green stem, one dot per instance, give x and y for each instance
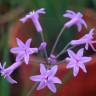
(45, 51)
(42, 36)
(58, 37)
(30, 93)
(63, 50)
(61, 62)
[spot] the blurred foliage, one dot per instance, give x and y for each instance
(52, 22)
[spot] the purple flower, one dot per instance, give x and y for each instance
(34, 15)
(23, 50)
(42, 46)
(8, 71)
(86, 39)
(52, 59)
(47, 78)
(76, 19)
(77, 60)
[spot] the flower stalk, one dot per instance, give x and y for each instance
(58, 37)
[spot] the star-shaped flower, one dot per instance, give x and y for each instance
(77, 60)
(86, 39)
(76, 19)
(47, 78)
(23, 50)
(6, 73)
(34, 15)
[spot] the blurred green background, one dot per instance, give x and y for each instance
(52, 22)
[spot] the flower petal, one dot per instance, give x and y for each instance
(1, 66)
(52, 87)
(36, 78)
(71, 12)
(75, 70)
(80, 52)
(68, 15)
(84, 23)
(20, 43)
(82, 66)
(33, 50)
(78, 42)
(41, 11)
(10, 80)
(79, 27)
(71, 53)
(16, 50)
(19, 57)
(86, 46)
(53, 71)
(28, 42)
(93, 42)
(41, 85)
(56, 80)
(91, 32)
(24, 19)
(93, 48)
(4, 65)
(43, 70)
(86, 59)
(70, 65)
(36, 22)
(26, 58)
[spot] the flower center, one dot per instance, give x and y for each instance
(46, 78)
(77, 60)
(25, 50)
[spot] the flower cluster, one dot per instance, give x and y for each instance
(49, 68)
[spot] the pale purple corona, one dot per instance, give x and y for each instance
(42, 46)
(47, 78)
(34, 15)
(23, 51)
(86, 39)
(75, 19)
(52, 59)
(77, 60)
(6, 72)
